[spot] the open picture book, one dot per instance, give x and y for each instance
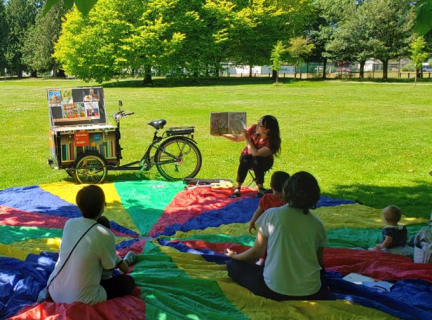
(227, 122)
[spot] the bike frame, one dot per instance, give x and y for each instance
(145, 163)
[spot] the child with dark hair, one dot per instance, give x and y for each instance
(394, 236)
(87, 248)
(270, 200)
(263, 142)
(294, 239)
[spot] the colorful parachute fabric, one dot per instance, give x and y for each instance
(180, 236)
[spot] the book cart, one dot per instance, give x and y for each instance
(80, 138)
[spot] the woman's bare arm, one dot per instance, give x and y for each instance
(254, 253)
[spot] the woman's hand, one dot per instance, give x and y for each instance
(230, 253)
(246, 135)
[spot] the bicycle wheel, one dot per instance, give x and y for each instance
(178, 158)
(90, 168)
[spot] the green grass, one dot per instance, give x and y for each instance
(363, 141)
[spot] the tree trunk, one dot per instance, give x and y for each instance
(275, 75)
(324, 69)
(61, 73)
(361, 73)
(147, 75)
(33, 74)
(385, 69)
(250, 70)
(19, 72)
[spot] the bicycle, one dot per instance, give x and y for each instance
(174, 153)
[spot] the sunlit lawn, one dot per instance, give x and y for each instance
(363, 141)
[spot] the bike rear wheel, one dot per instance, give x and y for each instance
(178, 158)
(90, 168)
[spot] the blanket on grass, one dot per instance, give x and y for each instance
(180, 236)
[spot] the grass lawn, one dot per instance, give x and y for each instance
(363, 141)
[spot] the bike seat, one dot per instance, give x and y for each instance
(157, 124)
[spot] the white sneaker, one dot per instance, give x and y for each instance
(130, 258)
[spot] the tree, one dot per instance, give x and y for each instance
(418, 55)
(261, 23)
(40, 39)
(390, 34)
(117, 37)
(20, 16)
(276, 58)
(3, 37)
(328, 15)
(299, 48)
(351, 39)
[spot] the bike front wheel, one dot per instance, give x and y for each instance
(90, 168)
(178, 158)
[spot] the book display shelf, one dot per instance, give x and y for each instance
(78, 125)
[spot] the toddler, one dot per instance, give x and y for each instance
(394, 236)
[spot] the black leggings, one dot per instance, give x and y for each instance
(250, 276)
(258, 164)
(120, 285)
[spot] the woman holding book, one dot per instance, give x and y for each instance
(263, 142)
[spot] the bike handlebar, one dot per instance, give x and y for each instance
(122, 114)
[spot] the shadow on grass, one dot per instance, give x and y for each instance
(202, 82)
(414, 201)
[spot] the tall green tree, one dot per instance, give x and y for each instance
(390, 35)
(20, 16)
(276, 58)
(3, 37)
(327, 16)
(117, 37)
(351, 38)
(40, 39)
(418, 54)
(298, 50)
(260, 24)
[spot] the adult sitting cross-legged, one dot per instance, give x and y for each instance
(294, 239)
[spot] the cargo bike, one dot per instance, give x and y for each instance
(83, 143)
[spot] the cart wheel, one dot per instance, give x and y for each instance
(90, 168)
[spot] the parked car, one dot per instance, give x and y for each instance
(427, 69)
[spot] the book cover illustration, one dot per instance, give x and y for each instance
(90, 95)
(92, 110)
(227, 122)
(236, 121)
(69, 111)
(54, 97)
(66, 96)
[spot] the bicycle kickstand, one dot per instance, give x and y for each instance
(143, 167)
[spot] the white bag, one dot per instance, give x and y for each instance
(423, 245)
